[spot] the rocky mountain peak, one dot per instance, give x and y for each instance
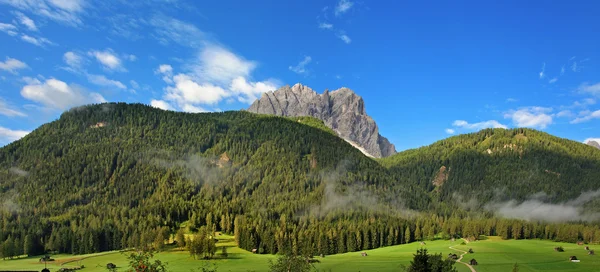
(594, 144)
(342, 110)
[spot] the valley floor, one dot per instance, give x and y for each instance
(492, 254)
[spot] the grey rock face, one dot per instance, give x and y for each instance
(594, 144)
(341, 110)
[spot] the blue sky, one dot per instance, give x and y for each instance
(426, 70)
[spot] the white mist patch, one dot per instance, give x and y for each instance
(199, 169)
(536, 208)
(355, 196)
(9, 204)
(18, 172)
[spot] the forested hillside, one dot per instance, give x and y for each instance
(500, 164)
(107, 176)
(114, 176)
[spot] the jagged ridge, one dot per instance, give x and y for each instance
(341, 110)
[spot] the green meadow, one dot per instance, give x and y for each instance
(492, 254)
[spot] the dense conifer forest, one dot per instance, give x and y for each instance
(115, 176)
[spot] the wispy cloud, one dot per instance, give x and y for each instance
(586, 116)
(300, 68)
(593, 89)
(553, 80)
(450, 131)
(63, 11)
(26, 21)
(342, 7)
(168, 30)
(9, 111)
(479, 125)
(534, 117)
(325, 26)
(73, 59)
(542, 73)
(8, 135)
(344, 38)
(9, 29)
(562, 70)
(565, 113)
(101, 80)
(40, 41)
(510, 100)
(12, 65)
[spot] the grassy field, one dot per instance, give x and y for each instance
(493, 255)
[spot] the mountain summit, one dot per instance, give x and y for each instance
(593, 143)
(342, 110)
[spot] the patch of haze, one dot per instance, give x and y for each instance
(537, 208)
(199, 169)
(18, 172)
(355, 196)
(10, 203)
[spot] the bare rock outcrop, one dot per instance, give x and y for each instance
(342, 110)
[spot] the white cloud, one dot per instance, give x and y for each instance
(553, 80)
(12, 65)
(586, 116)
(101, 80)
(134, 84)
(542, 75)
(8, 29)
(478, 126)
(214, 75)
(593, 89)
(325, 26)
(249, 91)
(41, 42)
(7, 110)
(62, 11)
(192, 108)
(73, 59)
(511, 100)
(562, 70)
(166, 71)
(534, 117)
(300, 67)
(108, 59)
(565, 113)
(187, 91)
(450, 131)
(9, 135)
(57, 94)
(26, 21)
(161, 104)
(344, 38)
(131, 57)
(219, 65)
(342, 7)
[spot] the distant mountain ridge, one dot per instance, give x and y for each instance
(593, 143)
(342, 110)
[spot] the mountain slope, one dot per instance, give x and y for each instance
(109, 174)
(342, 110)
(499, 164)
